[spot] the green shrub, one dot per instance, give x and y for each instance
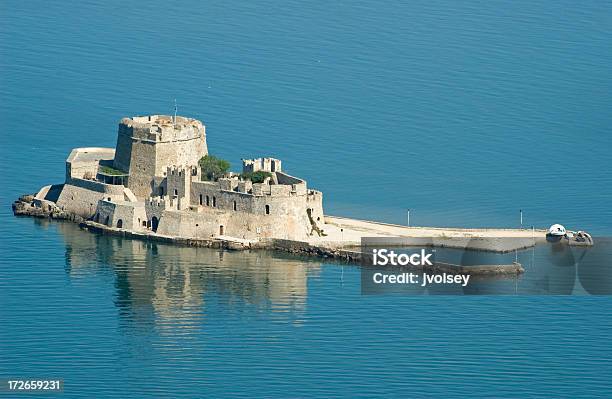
(213, 167)
(110, 171)
(256, 177)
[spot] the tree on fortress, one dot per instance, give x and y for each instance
(256, 177)
(213, 167)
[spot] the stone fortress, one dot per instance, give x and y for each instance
(152, 183)
(151, 186)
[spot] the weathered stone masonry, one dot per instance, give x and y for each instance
(152, 183)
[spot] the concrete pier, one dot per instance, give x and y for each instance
(343, 232)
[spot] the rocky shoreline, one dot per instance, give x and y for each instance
(27, 205)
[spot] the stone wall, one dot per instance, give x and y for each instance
(142, 168)
(111, 189)
(83, 201)
(314, 202)
(147, 146)
(81, 170)
(123, 149)
(123, 215)
(209, 194)
(298, 186)
(42, 193)
(213, 222)
(242, 215)
(178, 182)
(184, 152)
(85, 161)
(159, 186)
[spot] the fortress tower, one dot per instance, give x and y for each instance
(148, 145)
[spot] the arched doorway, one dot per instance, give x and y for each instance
(119, 224)
(154, 223)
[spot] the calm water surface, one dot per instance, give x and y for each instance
(463, 113)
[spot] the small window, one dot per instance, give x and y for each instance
(175, 192)
(207, 200)
(235, 207)
(267, 209)
(214, 201)
(144, 223)
(200, 199)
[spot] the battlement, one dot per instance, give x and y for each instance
(165, 202)
(161, 121)
(174, 170)
(228, 183)
(261, 164)
(162, 128)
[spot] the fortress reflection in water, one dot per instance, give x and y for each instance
(164, 283)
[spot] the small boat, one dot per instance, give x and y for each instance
(558, 233)
(556, 230)
(580, 238)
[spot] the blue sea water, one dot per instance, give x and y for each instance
(464, 112)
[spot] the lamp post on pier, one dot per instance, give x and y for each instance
(175, 111)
